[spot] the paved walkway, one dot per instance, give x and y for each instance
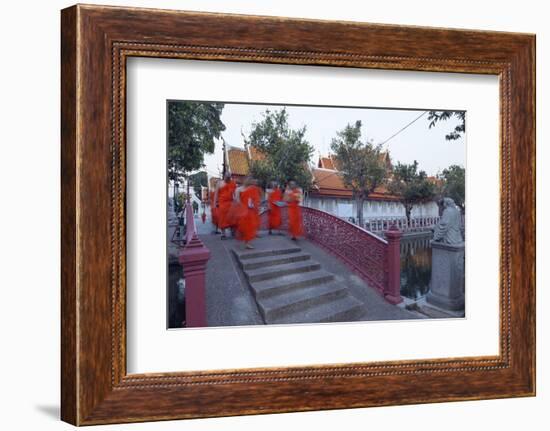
(229, 299)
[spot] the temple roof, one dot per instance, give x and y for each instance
(329, 183)
(330, 162)
(326, 163)
(238, 159)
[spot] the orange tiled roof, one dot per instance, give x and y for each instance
(328, 179)
(331, 162)
(237, 160)
(328, 182)
(326, 163)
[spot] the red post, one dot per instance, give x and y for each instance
(392, 291)
(194, 258)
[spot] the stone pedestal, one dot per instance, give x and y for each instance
(447, 282)
(194, 258)
(392, 292)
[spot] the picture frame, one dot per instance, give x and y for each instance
(96, 41)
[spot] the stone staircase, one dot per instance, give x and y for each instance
(290, 287)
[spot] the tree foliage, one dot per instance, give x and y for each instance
(411, 186)
(264, 171)
(286, 151)
(453, 185)
(197, 181)
(435, 117)
(180, 200)
(192, 130)
(361, 164)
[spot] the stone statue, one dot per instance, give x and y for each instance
(448, 229)
(447, 281)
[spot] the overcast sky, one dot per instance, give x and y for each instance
(416, 142)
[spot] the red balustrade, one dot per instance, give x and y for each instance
(370, 256)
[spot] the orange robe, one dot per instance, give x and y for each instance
(275, 211)
(295, 227)
(249, 222)
(225, 198)
(213, 210)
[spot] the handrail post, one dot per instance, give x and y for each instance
(194, 258)
(392, 291)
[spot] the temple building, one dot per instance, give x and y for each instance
(238, 160)
(329, 192)
(331, 195)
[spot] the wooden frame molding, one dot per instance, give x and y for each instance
(95, 43)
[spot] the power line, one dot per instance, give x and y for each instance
(403, 128)
(391, 137)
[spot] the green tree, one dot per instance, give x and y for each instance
(435, 117)
(264, 171)
(411, 186)
(453, 185)
(180, 199)
(286, 151)
(192, 130)
(361, 164)
(197, 181)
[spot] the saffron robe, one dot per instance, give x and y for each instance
(295, 227)
(225, 198)
(213, 210)
(249, 220)
(274, 215)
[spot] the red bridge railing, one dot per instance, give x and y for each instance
(374, 259)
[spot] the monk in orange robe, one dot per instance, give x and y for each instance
(213, 212)
(225, 192)
(274, 196)
(293, 198)
(249, 220)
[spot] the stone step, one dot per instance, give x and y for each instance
(253, 254)
(265, 261)
(299, 300)
(286, 283)
(270, 272)
(345, 309)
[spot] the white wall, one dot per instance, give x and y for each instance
(29, 174)
(371, 209)
(429, 209)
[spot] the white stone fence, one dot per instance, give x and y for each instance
(416, 224)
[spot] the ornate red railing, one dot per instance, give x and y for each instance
(370, 256)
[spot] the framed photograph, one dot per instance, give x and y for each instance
(329, 214)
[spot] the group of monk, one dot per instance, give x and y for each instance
(237, 208)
